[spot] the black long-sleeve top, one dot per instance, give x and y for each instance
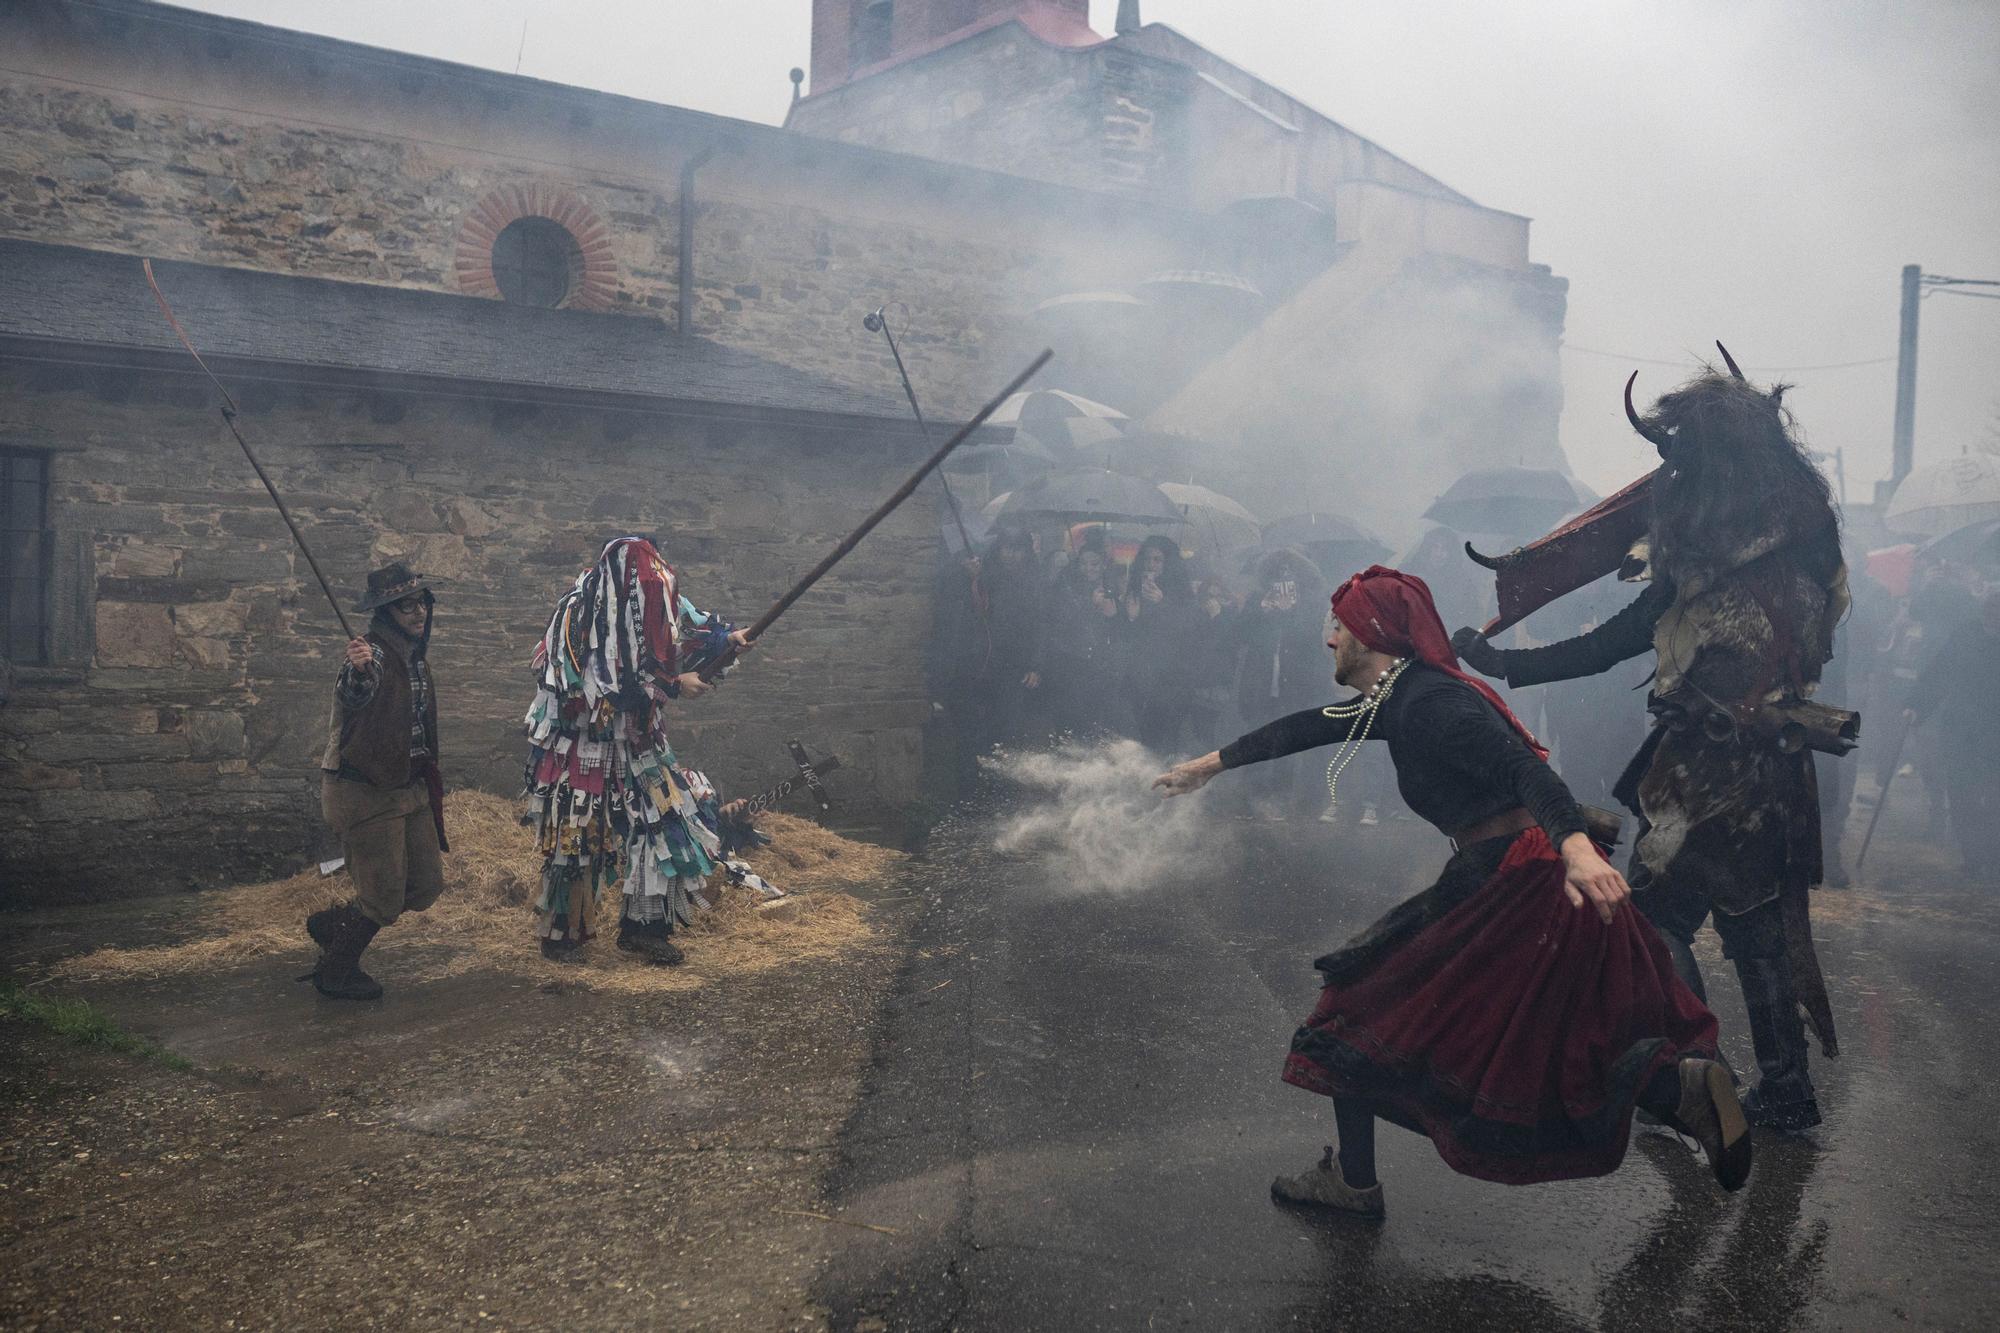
(1457, 761)
(1627, 635)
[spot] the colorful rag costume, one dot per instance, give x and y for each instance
(611, 803)
(1514, 1030)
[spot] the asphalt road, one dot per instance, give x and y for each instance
(1073, 1115)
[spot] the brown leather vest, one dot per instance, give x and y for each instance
(374, 740)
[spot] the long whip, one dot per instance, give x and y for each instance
(882, 511)
(229, 411)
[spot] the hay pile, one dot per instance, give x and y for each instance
(485, 918)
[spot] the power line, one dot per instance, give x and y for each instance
(1767, 370)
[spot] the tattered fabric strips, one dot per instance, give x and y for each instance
(611, 803)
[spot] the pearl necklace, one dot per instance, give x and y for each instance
(1364, 709)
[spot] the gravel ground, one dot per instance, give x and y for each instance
(471, 1150)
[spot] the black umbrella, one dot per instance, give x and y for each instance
(1338, 545)
(1091, 493)
(1517, 503)
(1973, 544)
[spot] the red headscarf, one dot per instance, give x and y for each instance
(1392, 612)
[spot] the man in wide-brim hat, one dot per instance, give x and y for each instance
(381, 792)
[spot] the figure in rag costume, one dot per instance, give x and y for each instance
(1746, 587)
(611, 803)
(1492, 1012)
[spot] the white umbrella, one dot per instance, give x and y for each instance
(1054, 403)
(1944, 497)
(1225, 523)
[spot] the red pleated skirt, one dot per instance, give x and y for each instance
(1512, 1028)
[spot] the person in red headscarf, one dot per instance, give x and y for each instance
(1517, 1010)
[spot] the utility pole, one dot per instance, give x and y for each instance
(1917, 284)
(1906, 378)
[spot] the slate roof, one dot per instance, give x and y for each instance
(93, 298)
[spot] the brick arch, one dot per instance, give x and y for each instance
(592, 289)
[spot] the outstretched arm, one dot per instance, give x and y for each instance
(1303, 730)
(1627, 635)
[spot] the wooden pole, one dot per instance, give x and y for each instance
(882, 511)
(229, 410)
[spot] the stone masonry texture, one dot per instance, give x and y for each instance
(186, 750)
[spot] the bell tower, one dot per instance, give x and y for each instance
(853, 36)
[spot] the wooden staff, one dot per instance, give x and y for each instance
(882, 511)
(229, 410)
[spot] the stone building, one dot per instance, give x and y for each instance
(1408, 319)
(485, 322)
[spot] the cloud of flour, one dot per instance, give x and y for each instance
(1093, 808)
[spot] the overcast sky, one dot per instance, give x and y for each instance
(1753, 170)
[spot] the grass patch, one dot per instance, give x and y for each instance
(82, 1023)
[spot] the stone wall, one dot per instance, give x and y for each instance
(185, 750)
(327, 169)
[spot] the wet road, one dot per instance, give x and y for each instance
(1074, 1114)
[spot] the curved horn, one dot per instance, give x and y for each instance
(1483, 561)
(1730, 361)
(1658, 438)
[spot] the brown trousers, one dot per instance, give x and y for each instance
(391, 845)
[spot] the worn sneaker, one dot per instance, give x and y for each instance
(1323, 1187)
(1710, 1113)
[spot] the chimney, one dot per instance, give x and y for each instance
(1128, 17)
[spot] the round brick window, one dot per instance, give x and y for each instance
(536, 262)
(536, 245)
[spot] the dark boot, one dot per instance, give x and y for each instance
(343, 934)
(563, 951)
(1783, 1098)
(650, 941)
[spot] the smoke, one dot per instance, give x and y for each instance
(1093, 808)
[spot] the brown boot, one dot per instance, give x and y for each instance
(1710, 1113)
(1324, 1187)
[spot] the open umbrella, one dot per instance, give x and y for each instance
(1893, 567)
(1022, 453)
(1973, 544)
(1221, 522)
(1073, 436)
(1944, 497)
(1060, 420)
(1510, 502)
(1035, 405)
(1338, 545)
(1090, 493)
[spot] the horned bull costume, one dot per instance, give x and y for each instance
(612, 805)
(1742, 548)
(1516, 1011)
